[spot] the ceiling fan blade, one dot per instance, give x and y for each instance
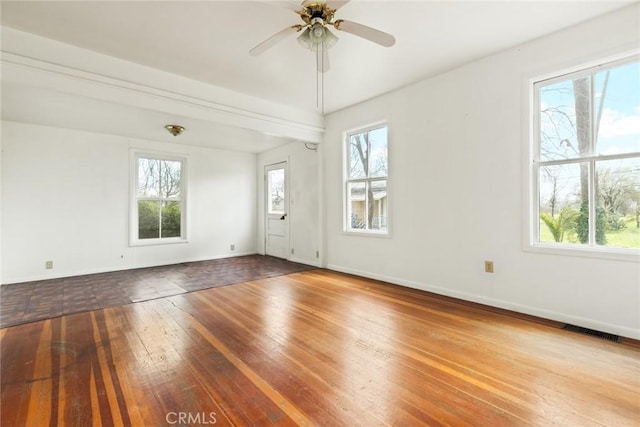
(290, 4)
(335, 4)
(271, 41)
(371, 34)
(322, 60)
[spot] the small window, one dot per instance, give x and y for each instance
(276, 191)
(366, 186)
(158, 208)
(586, 162)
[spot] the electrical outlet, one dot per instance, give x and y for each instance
(232, 247)
(293, 251)
(488, 266)
(317, 254)
(48, 265)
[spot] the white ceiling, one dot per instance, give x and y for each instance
(209, 40)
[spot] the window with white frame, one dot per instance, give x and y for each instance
(158, 205)
(586, 159)
(366, 181)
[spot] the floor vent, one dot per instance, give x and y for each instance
(586, 331)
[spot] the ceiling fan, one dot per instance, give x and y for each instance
(317, 16)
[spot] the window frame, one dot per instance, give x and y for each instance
(533, 164)
(346, 219)
(134, 239)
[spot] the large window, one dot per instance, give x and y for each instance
(366, 183)
(159, 195)
(586, 162)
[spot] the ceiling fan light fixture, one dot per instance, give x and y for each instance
(317, 32)
(329, 40)
(317, 16)
(305, 40)
(309, 39)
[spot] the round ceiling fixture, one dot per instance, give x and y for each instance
(174, 130)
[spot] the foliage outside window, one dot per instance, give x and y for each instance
(367, 203)
(159, 201)
(587, 158)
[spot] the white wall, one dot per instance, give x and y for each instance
(456, 151)
(304, 193)
(65, 198)
(1, 150)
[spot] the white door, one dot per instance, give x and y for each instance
(277, 220)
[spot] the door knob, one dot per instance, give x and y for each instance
(283, 217)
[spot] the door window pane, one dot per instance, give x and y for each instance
(275, 181)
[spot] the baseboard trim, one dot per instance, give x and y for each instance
(623, 331)
(305, 261)
(117, 268)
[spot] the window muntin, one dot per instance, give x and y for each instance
(366, 183)
(159, 215)
(587, 158)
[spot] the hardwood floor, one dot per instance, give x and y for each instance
(312, 348)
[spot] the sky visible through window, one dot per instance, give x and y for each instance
(619, 120)
(619, 127)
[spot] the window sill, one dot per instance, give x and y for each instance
(156, 242)
(614, 254)
(367, 233)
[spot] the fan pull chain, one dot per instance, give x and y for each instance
(322, 78)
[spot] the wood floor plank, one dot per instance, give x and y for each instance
(162, 382)
(38, 412)
(245, 355)
(232, 377)
(18, 371)
(312, 348)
